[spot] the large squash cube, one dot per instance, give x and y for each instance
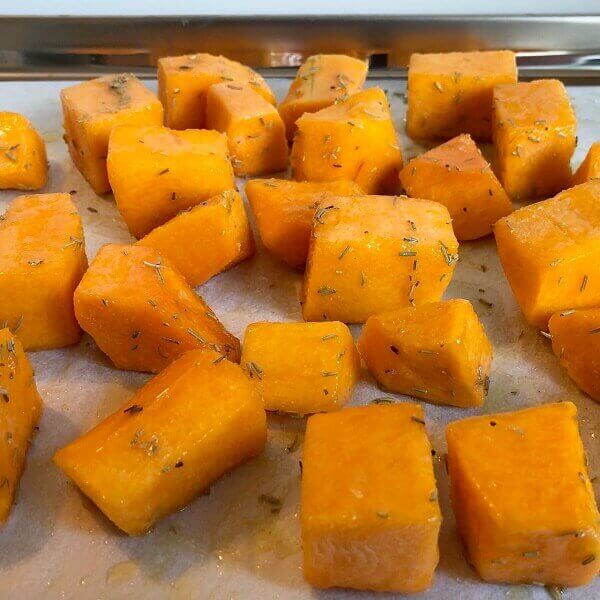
(590, 167)
(354, 140)
(371, 254)
(550, 252)
(456, 175)
(522, 496)
(451, 93)
(156, 172)
(142, 313)
(90, 111)
(369, 511)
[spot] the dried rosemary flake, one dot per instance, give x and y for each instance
(344, 252)
(35, 263)
(546, 334)
(433, 496)
(417, 420)
(555, 592)
(273, 501)
(383, 401)
(382, 514)
(196, 335)
(18, 324)
(164, 171)
(73, 241)
(329, 336)
(4, 394)
(329, 373)
(407, 253)
(134, 409)
(485, 303)
(254, 370)
(157, 266)
(588, 559)
(321, 212)
(438, 86)
(325, 291)
(566, 313)
(583, 283)
(531, 554)
(448, 256)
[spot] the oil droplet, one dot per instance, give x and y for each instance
(122, 572)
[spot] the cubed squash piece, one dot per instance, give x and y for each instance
(42, 260)
(550, 252)
(534, 138)
(369, 511)
(20, 409)
(90, 111)
(522, 496)
(156, 172)
(456, 175)
(590, 167)
(354, 140)
(370, 254)
(451, 93)
(23, 164)
(184, 80)
(141, 312)
(255, 131)
(191, 424)
(284, 212)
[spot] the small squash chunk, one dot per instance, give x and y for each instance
(451, 93)
(369, 511)
(550, 252)
(370, 254)
(42, 260)
(141, 312)
(23, 164)
(354, 140)
(436, 351)
(284, 212)
(90, 111)
(522, 496)
(534, 138)
(188, 426)
(322, 80)
(255, 131)
(456, 175)
(184, 80)
(156, 172)
(590, 167)
(20, 409)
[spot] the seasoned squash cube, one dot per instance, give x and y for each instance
(141, 312)
(369, 511)
(90, 111)
(370, 254)
(156, 172)
(284, 212)
(456, 175)
(451, 93)
(354, 140)
(534, 138)
(590, 167)
(522, 497)
(550, 252)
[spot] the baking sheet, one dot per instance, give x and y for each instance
(56, 544)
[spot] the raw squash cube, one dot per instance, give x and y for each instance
(141, 312)
(456, 175)
(436, 351)
(302, 367)
(451, 93)
(370, 254)
(534, 138)
(19, 414)
(550, 252)
(156, 172)
(284, 212)
(206, 239)
(42, 260)
(255, 131)
(590, 167)
(184, 80)
(369, 511)
(354, 139)
(90, 111)
(522, 497)
(197, 420)
(23, 164)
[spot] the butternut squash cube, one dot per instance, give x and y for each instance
(90, 111)
(371, 254)
(284, 212)
(522, 496)
(156, 172)
(369, 511)
(456, 175)
(550, 251)
(590, 167)
(354, 140)
(42, 260)
(534, 138)
(141, 312)
(451, 93)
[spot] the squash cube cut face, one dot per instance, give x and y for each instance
(522, 496)
(590, 167)
(142, 313)
(369, 512)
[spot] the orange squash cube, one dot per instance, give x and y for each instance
(590, 167)
(522, 496)
(369, 511)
